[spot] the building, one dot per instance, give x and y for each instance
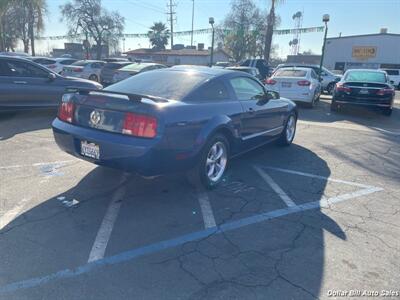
(370, 51)
(76, 50)
(310, 59)
(178, 57)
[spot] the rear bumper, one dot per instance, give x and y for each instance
(384, 103)
(146, 157)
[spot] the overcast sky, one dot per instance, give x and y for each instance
(348, 17)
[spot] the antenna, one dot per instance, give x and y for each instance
(171, 19)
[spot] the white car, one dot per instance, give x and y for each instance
(394, 75)
(133, 69)
(62, 62)
(87, 69)
(296, 84)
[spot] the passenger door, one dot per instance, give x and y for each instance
(26, 84)
(260, 118)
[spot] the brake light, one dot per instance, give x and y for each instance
(139, 125)
(270, 81)
(385, 91)
(77, 70)
(66, 111)
(341, 88)
(303, 83)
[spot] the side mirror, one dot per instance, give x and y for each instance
(272, 95)
(392, 82)
(52, 76)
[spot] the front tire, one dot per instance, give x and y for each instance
(94, 77)
(213, 162)
(289, 131)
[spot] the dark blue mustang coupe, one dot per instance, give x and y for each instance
(179, 119)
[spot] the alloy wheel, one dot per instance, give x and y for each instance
(216, 161)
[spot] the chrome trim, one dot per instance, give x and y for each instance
(279, 129)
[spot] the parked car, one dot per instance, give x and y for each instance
(368, 88)
(249, 70)
(133, 69)
(329, 79)
(174, 119)
(109, 69)
(49, 63)
(87, 69)
(394, 77)
(25, 84)
(61, 62)
(297, 84)
(260, 64)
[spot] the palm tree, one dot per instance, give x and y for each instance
(159, 35)
(271, 19)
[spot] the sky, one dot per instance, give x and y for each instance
(347, 17)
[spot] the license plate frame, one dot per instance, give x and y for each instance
(363, 92)
(90, 150)
(286, 84)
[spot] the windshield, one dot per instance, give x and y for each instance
(366, 76)
(160, 84)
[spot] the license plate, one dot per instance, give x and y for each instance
(90, 150)
(286, 84)
(363, 91)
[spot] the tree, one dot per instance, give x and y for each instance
(159, 35)
(242, 30)
(89, 18)
(271, 22)
(21, 19)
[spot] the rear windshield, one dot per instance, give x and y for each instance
(135, 67)
(367, 76)
(290, 73)
(160, 84)
(80, 63)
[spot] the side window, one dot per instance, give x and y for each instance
(67, 62)
(313, 74)
(5, 69)
(246, 88)
(23, 69)
(214, 90)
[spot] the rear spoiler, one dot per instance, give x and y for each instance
(131, 97)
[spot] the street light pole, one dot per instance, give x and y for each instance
(211, 21)
(191, 39)
(325, 19)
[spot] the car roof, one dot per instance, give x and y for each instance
(366, 70)
(204, 70)
(240, 68)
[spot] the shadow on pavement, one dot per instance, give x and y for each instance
(12, 124)
(280, 258)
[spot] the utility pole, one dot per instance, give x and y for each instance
(171, 14)
(191, 39)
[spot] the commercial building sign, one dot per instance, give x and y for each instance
(364, 52)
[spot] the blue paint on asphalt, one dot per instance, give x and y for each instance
(156, 247)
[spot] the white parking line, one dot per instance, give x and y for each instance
(289, 202)
(206, 210)
(106, 227)
(60, 162)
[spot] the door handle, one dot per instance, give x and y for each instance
(251, 110)
(20, 82)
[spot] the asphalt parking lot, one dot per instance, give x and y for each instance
(313, 220)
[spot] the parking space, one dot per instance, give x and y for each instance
(292, 223)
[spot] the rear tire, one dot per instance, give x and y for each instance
(330, 87)
(387, 112)
(288, 133)
(94, 77)
(212, 164)
(334, 106)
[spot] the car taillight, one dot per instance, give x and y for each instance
(270, 81)
(77, 70)
(66, 109)
(303, 83)
(140, 125)
(341, 88)
(385, 91)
